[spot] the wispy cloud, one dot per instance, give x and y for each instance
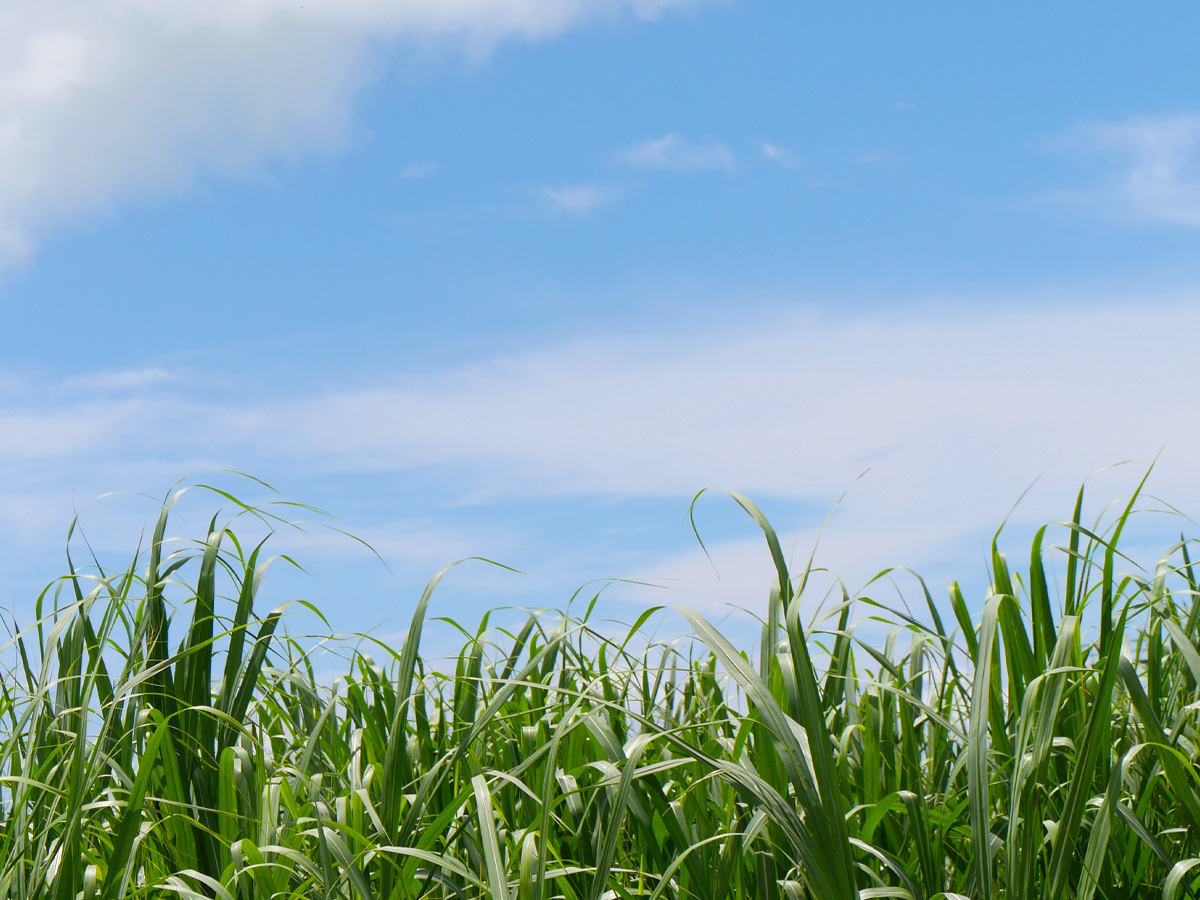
(781, 156)
(1157, 177)
(422, 169)
(128, 380)
(676, 154)
(581, 198)
(787, 409)
(103, 100)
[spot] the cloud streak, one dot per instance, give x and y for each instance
(673, 153)
(128, 380)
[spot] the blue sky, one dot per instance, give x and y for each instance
(518, 277)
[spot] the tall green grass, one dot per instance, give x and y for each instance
(162, 734)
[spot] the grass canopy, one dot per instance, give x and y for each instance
(162, 734)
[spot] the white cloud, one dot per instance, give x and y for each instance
(422, 169)
(677, 154)
(955, 411)
(581, 198)
(102, 100)
(1159, 174)
(792, 408)
(42, 435)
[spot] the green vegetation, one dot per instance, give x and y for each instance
(163, 734)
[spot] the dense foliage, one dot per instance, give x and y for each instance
(157, 741)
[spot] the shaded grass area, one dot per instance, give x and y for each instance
(162, 734)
